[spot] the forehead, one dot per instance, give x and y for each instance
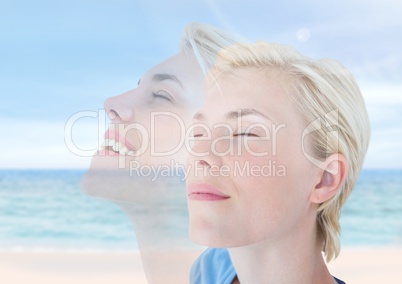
(182, 65)
(253, 89)
(249, 88)
(188, 78)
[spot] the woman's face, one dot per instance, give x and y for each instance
(145, 139)
(248, 178)
(148, 123)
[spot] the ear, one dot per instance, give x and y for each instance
(332, 176)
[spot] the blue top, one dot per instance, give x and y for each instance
(214, 266)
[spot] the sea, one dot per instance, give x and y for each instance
(46, 210)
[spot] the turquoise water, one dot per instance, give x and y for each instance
(40, 209)
(47, 209)
(373, 212)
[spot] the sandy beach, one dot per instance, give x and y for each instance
(73, 267)
(355, 266)
(368, 265)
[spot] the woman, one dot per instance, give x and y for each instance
(278, 146)
(145, 141)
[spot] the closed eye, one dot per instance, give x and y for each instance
(162, 95)
(198, 135)
(249, 134)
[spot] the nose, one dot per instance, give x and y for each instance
(205, 153)
(120, 108)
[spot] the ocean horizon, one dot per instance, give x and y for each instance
(46, 210)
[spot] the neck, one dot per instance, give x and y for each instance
(166, 255)
(296, 259)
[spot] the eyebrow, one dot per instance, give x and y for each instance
(164, 76)
(159, 77)
(241, 112)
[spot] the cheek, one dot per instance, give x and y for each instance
(167, 132)
(267, 195)
(256, 147)
(256, 163)
(268, 209)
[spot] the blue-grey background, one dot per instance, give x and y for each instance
(58, 58)
(46, 210)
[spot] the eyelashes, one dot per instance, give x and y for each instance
(248, 134)
(242, 134)
(162, 95)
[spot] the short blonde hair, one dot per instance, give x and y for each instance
(205, 42)
(318, 87)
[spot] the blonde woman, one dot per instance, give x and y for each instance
(278, 146)
(144, 142)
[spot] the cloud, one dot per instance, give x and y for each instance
(40, 144)
(385, 68)
(60, 59)
(385, 149)
(381, 94)
(384, 105)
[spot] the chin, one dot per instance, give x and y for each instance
(98, 183)
(207, 236)
(110, 162)
(103, 176)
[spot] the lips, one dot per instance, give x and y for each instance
(116, 145)
(205, 192)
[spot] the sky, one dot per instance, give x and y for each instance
(58, 58)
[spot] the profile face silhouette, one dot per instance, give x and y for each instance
(147, 130)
